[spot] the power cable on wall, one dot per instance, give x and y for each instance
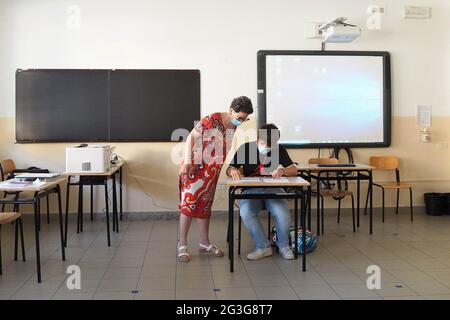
(154, 203)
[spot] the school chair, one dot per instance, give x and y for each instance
(390, 163)
(7, 167)
(330, 191)
(16, 218)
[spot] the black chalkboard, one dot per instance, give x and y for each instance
(67, 105)
(61, 105)
(147, 105)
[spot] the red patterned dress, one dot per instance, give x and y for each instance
(197, 188)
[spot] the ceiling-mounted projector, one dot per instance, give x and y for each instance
(339, 31)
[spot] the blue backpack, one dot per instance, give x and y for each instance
(311, 239)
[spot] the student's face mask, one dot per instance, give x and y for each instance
(235, 122)
(263, 149)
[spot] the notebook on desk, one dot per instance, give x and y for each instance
(24, 176)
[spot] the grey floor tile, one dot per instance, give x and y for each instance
(121, 273)
(438, 297)
(195, 294)
(87, 286)
(143, 259)
(153, 284)
(158, 271)
(316, 292)
(276, 293)
(244, 293)
(304, 278)
(28, 296)
(117, 295)
(10, 287)
(404, 298)
(341, 278)
(346, 291)
(274, 280)
(194, 283)
(73, 296)
(118, 285)
(127, 262)
(428, 288)
(155, 295)
(395, 290)
(231, 281)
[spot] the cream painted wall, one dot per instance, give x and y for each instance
(221, 39)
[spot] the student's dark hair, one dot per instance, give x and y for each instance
(267, 132)
(242, 104)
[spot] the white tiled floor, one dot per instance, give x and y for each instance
(142, 264)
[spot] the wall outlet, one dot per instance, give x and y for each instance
(416, 12)
(442, 145)
(377, 9)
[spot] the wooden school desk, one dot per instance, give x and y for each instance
(296, 183)
(91, 179)
(40, 190)
(363, 172)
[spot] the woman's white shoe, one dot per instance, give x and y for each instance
(211, 249)
(183, 254)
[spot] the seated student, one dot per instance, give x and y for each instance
(264, 157)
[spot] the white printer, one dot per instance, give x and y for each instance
(88, 158)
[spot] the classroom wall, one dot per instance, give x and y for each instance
(221, 39)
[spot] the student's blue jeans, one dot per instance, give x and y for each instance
(249, 211)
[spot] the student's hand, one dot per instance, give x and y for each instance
(277, 173)
(187, 168)
(235, 173)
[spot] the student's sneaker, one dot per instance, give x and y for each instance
(260, 253)
(287, 253)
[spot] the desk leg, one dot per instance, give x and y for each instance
(318, 203)
(309, 207)
(48, 210)
(115, 213)
(36, 233)
(120, 193)
(107, 213)
(80, 207)
(61, 229)
(358, 195)
(296, 225)
(39, 217)
(371, 202)
(303, 224)
(231, 229)
(92, 202)
(67, 210)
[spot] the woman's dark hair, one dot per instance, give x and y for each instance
(242, 104)
(267, 132)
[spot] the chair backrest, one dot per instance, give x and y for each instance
(384, 163)
(323, 161)
(7, 166)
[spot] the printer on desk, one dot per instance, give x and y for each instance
(88, 158)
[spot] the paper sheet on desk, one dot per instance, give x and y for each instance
(251, 179)
(272, 180)
(15, 183)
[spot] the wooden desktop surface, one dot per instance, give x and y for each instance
(113, 169)
(50, 183)
(315, 167)
(267, 182)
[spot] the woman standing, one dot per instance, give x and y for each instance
(206, 150)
